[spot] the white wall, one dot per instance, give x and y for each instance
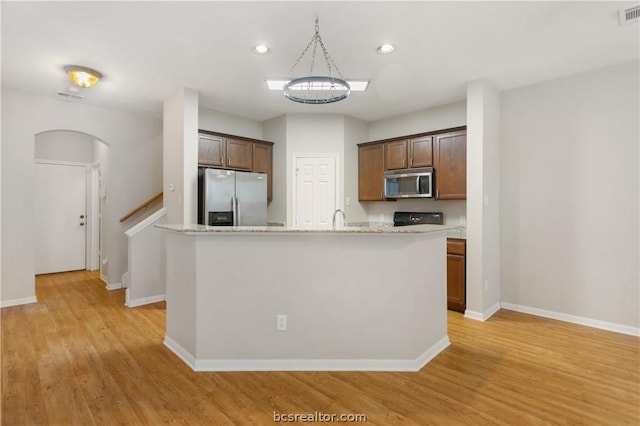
(222, 122)
(430, 119)
(355, 132)
(569, 203)
(136, 174)
(146, 259)
(101, 154)
(61, 145)
(483, 195)
(352, 314)
(314, 134)
(180, 149)
(275, 130)
(426, 120)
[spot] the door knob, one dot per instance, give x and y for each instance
(81, 216)
(81, 223)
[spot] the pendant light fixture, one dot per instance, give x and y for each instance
(317, 89)
(82, 76)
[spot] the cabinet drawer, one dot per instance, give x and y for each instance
(456, 246)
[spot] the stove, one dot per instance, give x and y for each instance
(418, 218)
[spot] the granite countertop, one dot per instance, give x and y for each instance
(202, 229)
(456, 231)
(460, 232)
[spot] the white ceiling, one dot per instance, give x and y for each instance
(147, 50)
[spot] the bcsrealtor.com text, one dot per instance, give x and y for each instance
(318, 417)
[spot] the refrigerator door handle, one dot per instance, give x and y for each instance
(234, 211)
(238, 210)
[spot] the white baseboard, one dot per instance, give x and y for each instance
(307, 364)
(482, 316)
(113, 286)
(144, 300)
(589, 322)
(180, 352)
(432, 352)
(491, 311)
(125, 280)
(17, 302)
(473, 315)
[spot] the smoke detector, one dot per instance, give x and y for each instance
(630, 15)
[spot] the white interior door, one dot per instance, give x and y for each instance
(61, 217)
(315, 192)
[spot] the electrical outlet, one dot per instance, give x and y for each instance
(348, 201)
(281, 323)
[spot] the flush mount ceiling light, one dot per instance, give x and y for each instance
(386, 49)
(317, 89)
(82, 76)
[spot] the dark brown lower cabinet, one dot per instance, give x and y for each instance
(456, 274)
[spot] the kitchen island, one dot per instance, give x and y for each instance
(350, 299)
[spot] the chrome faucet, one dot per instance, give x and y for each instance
(344, 217)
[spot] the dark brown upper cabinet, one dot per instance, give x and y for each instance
(371, 172)
(211, 150)
(450, 152)
(420, 152)
(395, 155)
(263, 163)
(239, 155)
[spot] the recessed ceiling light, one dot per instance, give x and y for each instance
(358, 85)
(386, 48)
(276, 84)
(261, 49)
(355, 85)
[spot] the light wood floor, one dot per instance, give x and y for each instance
(80, 357)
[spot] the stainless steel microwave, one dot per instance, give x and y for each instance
(409, 183)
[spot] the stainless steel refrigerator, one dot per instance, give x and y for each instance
(231, 198)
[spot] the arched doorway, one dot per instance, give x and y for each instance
(70, 182)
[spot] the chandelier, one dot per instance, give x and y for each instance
(317, 89)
